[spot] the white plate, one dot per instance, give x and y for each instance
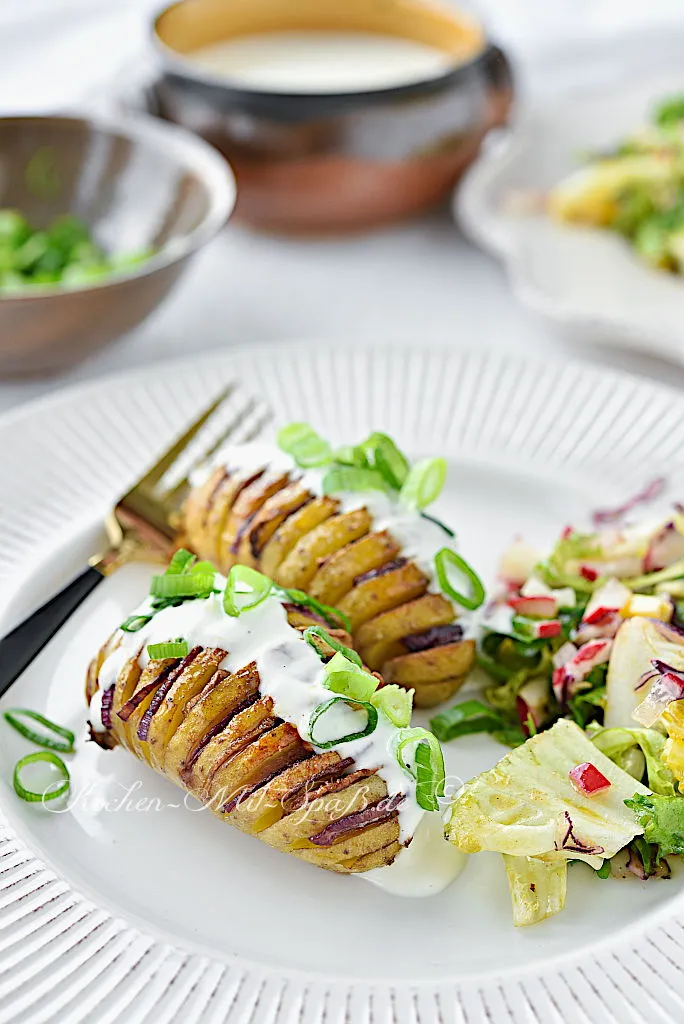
(587, 280)
(162, 914)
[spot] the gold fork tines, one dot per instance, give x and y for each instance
(143, 524)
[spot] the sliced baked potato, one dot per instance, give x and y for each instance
(275, 523)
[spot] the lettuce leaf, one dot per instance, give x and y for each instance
(662, 820)
(537, 885)
(615, 743)
(527, 805)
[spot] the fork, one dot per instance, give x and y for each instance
(142, 524)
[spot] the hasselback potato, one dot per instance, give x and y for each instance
(361, 552)
(279, 732)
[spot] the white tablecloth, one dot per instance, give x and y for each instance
(420, 282)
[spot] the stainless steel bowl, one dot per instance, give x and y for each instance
(138, 184)
(334, 161)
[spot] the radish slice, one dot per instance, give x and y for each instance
(587, 779)
(534, 607)
(666, 688)
(564, 654)
(567, 678)
(532, 704)
(608, 599)
(606, 629)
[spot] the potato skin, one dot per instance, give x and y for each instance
(271, 522)
(215, 735)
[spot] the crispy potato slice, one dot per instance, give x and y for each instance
(335, 577)
(151, 679)
(196, 510)
(269, 753)
(427, 695)
(126, 686)
(376, 859)
(245, 507)
(382, 593)
(351, 847)
(433, 665)
(300, 565)
(194, 676)
(317, 812)
(240, 731)
(292, 530)
(264, 806)
(207, 714)
(379, 639)
(273, 514)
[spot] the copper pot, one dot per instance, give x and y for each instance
(334, 161)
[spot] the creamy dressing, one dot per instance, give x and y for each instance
(327, 62)
(425, 867)
(292, 674)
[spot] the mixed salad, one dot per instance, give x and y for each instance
(635, 189)
(584, 650)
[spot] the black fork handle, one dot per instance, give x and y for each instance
(19, 648)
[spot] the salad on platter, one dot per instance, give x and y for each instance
(635, 189)
(584, 651)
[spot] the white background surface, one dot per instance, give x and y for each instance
(421, 281)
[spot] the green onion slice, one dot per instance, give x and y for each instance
(350, 455)
(49, 794)
(333, 616)
(65, 745)
(320, 633)
(427, 766)
(181, 562)
(318, 713)
(186, 584)
(305, 446)
(170, 649)
(245, 589)
(382, 454)
(341, 676)
(438, 522)
(470, 716)
(203, 568)
(352, 478)
(424, 483)
(396, 703)
(446, 559)
(134, 623)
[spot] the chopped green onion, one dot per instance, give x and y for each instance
(351, 478)
(322, 709)
(333, 616)
(245, 589)
(171, 649)
(396, 703)
(134, 623)
(49, 794)
(424, 483)
(13, 718)
(182, 585)
(181, 562)
(341, 676)
(470, 716)
(447, 558)
(350, 455)
(427, 769)
(438, 522)
(305, 446)
(318, 631)
(382, 454)
(203, 568)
